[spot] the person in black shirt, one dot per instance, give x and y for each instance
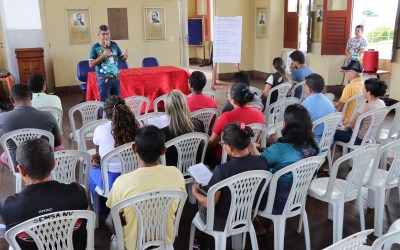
(42, 195)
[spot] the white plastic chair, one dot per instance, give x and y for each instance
(135, 103)
(376, 118)
(56, 112)
(85, 134)
(330, 96)
(274, 112)
(395, 227)
(337, 191)
(273, 129)
(353, 242)
(65, 167)
(17, 137)
(207, 116)
(89, 112)
(129, 163)
(243, 188)
(152, 209)
(256, 105)
(209, 93)
(297, 85)
(358, 99)
(378, 181)
(302, 172)
(58, 228)
(157, 100)
(385, 241)
(282, 89)
(187, 146)
(330, 123)
(255, 90)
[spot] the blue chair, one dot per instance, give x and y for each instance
(82, 72)
(122, 64)
(149, 62)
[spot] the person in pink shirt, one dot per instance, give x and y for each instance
(197, 81)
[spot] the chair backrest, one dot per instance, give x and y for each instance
(56, 112)
(375, 119)
(89, 112)
(16, 137)
(329, 123)
(395, 128)
(65, 168)
(152, 211)
(361, 158)
(54, 230)
(353, 242)
(394, 170)
(86, 132)
(122, 64)
(395, 227)
(258, 130)
(256, 105)
(299, 85)
(330, 96)
(187, 146)
(149, 62)
(387, 240)
(273, 129)
(83, 69)
(359, 101)
(142, 119)
(209, 93)
(135, 103)
(255, 90)
(274, 112)
(157, 100)
(282, 90)
(303, 172)
(127, 159)
(243, 188)
(207, 116)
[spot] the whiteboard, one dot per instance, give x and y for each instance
(227, 47)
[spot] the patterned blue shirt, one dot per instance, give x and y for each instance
(109, 66)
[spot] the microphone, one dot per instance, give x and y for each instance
(107, 42)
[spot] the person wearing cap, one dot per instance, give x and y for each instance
(104, 56)
(355, 86)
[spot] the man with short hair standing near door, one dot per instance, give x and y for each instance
(104, 56)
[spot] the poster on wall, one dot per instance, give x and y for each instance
(317, 23)
(262, 22)
(79, 25)
(154, 23)
(227, 45)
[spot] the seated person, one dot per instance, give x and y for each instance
(180, 122)
(355, 86)
(39, 97)
(240, 77)
(25, 116)
(316, 103)
(236, 139)
(274, 80)
(150, 175)
(297, 142)
(121, 128)
(42, 195)
(197, 81)
(299, 69)
(373, 89)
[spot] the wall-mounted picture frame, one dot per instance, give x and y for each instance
(262, 22)
(154, 23)
(79, 26)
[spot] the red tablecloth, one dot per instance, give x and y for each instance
(151, 82)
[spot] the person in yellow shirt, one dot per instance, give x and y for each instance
(355, 86)
(150, 175)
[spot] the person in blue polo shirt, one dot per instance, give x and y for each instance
(104, 56)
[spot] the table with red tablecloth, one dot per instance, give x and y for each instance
(151, 82)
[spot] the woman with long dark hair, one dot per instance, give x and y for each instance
(274, 80)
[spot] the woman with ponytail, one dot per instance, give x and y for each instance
(275, 79)
(121, 128)
(373, 88)
(236, 139)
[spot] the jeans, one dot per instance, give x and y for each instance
(108, 87)
(344, 136)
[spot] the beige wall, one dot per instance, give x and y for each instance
(65, 57)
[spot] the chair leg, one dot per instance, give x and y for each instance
(379, 210)
(191, 239)
(383, 162)
(371, 198)
(279, 233)
(361, 211)
(96, 208)
(338, 210)
(237, 241)
(300, 223)
(253, 238)
(69, 143)
(330, 211)
(306, 230)
(329, 160)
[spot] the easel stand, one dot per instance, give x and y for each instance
(214, 74)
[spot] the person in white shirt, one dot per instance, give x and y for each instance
(38, 88)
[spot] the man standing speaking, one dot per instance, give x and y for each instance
(104, 56)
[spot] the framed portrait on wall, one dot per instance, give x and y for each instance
(79, 26)
(154, 23)
(262, 22)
